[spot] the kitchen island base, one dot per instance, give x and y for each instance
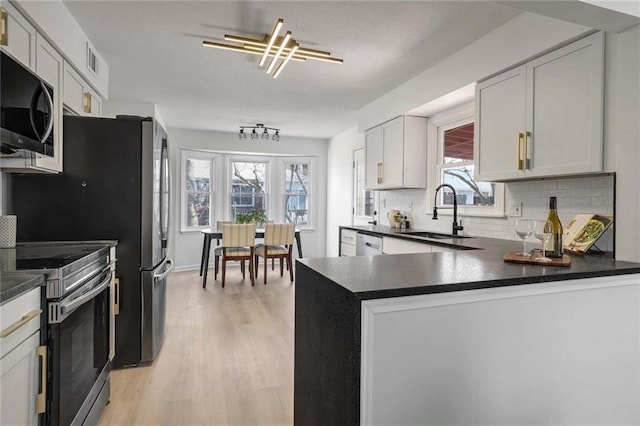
(561, 352)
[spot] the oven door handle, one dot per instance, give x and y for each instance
(74, 304)
(163, 275)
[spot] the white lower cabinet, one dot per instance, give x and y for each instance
(347, 242)
(22, 362)
(561, 353)
(392, 245)
(20, 383)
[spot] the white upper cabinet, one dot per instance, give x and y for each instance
(79, 97)
(17, 35)
(396, 154)
(543, 118)
(49, 68)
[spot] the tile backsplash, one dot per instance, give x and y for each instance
(575, 195)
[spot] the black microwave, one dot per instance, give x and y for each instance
(26, 110)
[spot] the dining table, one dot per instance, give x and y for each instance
(211, 234)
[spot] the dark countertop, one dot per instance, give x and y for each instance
(13, 284)
(479, 266)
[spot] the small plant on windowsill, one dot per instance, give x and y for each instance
(256, 216)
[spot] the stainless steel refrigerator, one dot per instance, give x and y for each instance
(114, 186)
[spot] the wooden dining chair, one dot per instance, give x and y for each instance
(238, 244)
(206, 249)
(278, 243)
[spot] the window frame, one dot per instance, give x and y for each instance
(189, 154)
(284, 161)
(228, 181)
(437, 125)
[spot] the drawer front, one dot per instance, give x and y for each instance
(436, 249)
(19, 319)
(348, 236)
(347, 249)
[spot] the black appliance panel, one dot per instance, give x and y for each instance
(80, 352)
(97, 197)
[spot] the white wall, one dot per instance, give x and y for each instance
(186, 248)
(339, 184)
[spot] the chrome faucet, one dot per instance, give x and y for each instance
(456, 227)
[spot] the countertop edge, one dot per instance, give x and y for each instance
(25, 282)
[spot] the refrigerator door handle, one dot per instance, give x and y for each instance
(162, 276)
(165, 182)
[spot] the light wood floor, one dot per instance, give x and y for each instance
(227, 358)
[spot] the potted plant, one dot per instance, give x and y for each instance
(397, 218)
(256, 216)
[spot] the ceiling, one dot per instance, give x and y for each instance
(155, 55)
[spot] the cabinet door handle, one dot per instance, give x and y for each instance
(116, 301)
(527, 151)
(380, 172)
(4, 27)
(22, 321)
(41, 398)
(520, 141)
(86, 102)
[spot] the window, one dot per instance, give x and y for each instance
(455, 166)
(363, 199)
(244, 184)
(296, 192)
(248, 187)
(197, 193)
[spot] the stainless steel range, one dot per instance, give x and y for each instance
(79, 325)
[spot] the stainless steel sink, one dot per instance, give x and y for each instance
(435, 235)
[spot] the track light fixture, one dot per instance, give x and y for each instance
(281, 48)
(264, 130)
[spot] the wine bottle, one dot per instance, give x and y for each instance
(555, 244)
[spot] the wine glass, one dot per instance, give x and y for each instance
(543, 231)
(524, 228)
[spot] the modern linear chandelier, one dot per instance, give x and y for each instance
(281, 49)
(262, 132)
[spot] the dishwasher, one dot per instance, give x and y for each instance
(367, 245)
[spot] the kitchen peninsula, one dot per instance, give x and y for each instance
(461, 337)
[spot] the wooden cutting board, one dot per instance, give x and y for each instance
(515, 258)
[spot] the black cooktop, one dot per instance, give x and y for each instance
(30, 256)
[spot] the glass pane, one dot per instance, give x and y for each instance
(458, 144)
(296, 178)
(296, 208)
(198, 209)
(198, 175)
(247, 188)
(468, 191)
(364, 198)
